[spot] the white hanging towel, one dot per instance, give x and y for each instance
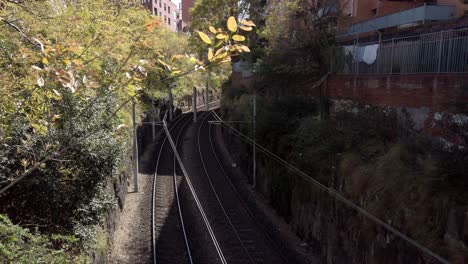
(370, 53)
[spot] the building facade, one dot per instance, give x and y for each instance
(166, 10)
(186, 5)
(382, 15)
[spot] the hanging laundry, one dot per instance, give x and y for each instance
(370, 53)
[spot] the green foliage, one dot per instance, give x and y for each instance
(207, 13)
(295, 37)
(19, 245)
(67, 71)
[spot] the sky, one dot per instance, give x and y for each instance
(177, 2)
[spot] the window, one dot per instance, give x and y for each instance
(164, 7)
(168, 20)
(169, 9)
(165, 19)
(374, 12)
(160, 4)
(156, 11)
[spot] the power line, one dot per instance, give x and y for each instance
(334, 193)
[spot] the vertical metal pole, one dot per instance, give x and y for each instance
(135, 150)
(153, 120)
(254, 167)
(440, 53)
(391, 58)
(194, 104)
(170, 103)
(207, 102)
(357, 63)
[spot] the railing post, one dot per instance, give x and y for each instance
(440, 53)
(391, 58)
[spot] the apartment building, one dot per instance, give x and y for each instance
(381, 15)
(186, 5)
(166, 10)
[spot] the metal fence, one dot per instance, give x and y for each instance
(440, 52)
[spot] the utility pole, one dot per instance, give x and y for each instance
(153, 120)
(135, 150)
(170, 103)
(194, 104)
(254, 172)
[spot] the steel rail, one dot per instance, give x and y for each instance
(176, 191)
(243, 202)
(195, 196)
(334, 193)
(216, 193)
(153, 196)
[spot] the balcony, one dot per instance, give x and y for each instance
(407, 17)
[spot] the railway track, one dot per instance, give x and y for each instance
(241, 238)
(211, 224)
(169, 237)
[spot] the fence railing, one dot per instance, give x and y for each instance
(440, 52)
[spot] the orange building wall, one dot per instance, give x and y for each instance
(363, 8)
(460, 8)
(186, 5)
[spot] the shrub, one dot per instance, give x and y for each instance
(19, 245)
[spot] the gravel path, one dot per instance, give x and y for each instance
(132, 242)
(132, 239)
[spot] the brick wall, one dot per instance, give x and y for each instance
(436, 105)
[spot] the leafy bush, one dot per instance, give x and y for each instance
(19, 245)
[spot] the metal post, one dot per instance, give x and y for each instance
(153, 120)
(254, 172)
(207, 102)
(391, 58)
(170, 103)
(357, 63)
(194, 104)
(135, 150)
(440, 53)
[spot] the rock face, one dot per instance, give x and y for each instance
(118, 191)
(343, 236)
(389, 188)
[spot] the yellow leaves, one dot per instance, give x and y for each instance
(246, 28)
(177, 57)
(204, 37)
(150, 25)
(77, 62)
(56, 118)
(210, 54)
(45, 61)
(245, 48)
(238, 38)
(247, 23)
(232, 24)
(212, 30)
(221, 36)
(24, 163)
